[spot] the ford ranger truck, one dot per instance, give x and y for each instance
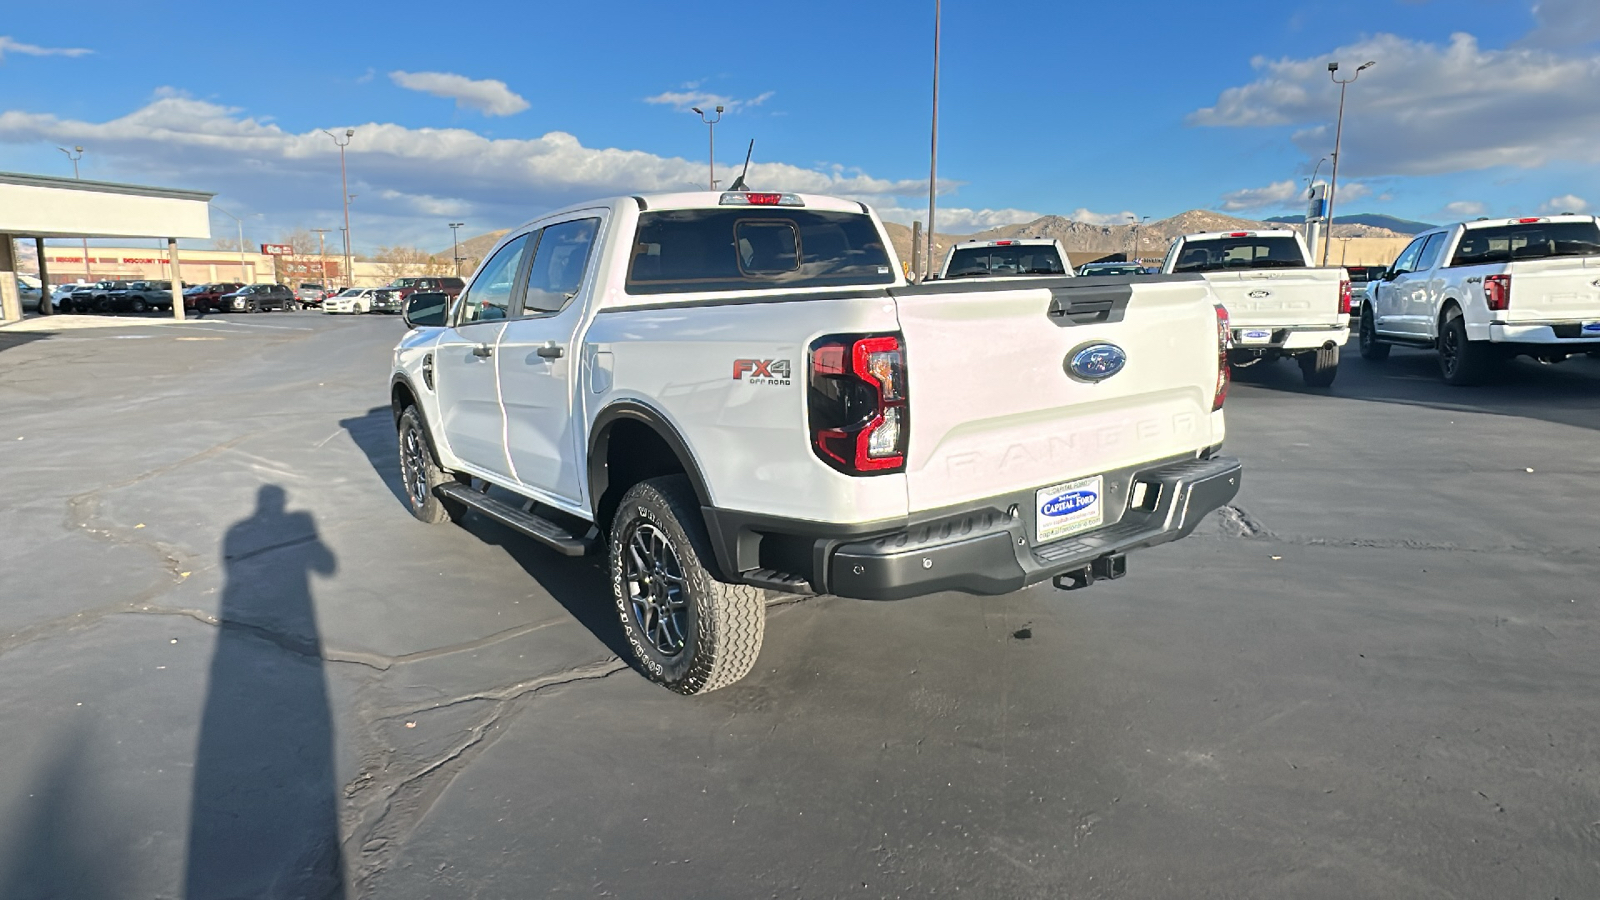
(995, 259)
(1482, 292)
(1278, 305)
(730, 394)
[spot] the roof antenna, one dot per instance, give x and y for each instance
(738, 183)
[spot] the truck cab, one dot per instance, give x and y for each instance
(1004, 258)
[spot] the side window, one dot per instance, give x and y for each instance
(1431, 251)
(558, 265)
(489, 297)
(1407, 261)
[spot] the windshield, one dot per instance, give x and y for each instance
(1015, 259)
(350, 292)
(1253, 252)
(1535, 240)
(753, 248)
(404, 282)
(1112, 270)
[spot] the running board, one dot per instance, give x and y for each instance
(540, 529)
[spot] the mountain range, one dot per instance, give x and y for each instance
(1376, 220)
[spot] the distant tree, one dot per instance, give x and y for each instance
(400, 261)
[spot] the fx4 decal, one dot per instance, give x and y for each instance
(761, 371)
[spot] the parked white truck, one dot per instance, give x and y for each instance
(737, 393)
(1011, 257)
(1482, 292)
(1278, 305)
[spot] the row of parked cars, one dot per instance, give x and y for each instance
(114, 296)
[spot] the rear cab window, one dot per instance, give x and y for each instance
(1531, 240)
(1004, 259)
(754, 248)
(1248, 252)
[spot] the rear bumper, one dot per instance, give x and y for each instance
(984, 549)
(1289, 337)
(1553, 333)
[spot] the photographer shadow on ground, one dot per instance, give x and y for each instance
(264, 812)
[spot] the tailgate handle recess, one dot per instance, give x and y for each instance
(1084, 312)
(1089, 306)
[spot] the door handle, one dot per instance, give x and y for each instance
(483, 351)
(551, 350)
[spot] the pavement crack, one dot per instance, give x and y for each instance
(1237, 522)
(588, 672)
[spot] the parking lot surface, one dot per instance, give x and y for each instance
(235, 665)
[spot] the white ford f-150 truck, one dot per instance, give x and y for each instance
(736, 393)
(1482, 292)
(1016, 256)
(1278, 305)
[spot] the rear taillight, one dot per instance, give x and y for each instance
(857, 397)
(1222, 359)
(1497, 291)
(1344, 297)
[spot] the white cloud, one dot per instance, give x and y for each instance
(1093, 218)
(1428, 108)
(1566, 203)
(11, 45)
(1465, 209)
(1564, 23)
(406, 178)
(1286, 193)
(685, 100)
(955, 219)
(490, 97)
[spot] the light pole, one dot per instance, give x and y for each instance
(344, 192)
(322, 257)
(79, 151)
(712, 123)
(1137, 221)
(1338, 136)
(933, 145)
(455, 240)
(240, 223)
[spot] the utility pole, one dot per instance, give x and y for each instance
(455, 240)
(79, 151)
(1137, 221)
(322, 256)
(344, 192)
(1338, 136)
(712, 123)
(933, 151)
(240, 222)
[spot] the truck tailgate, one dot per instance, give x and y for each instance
(994, 410)
(1276, 298)
(1546, 290)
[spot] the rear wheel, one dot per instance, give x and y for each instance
(1368, 337)
(1319, 367)
(1461, 361)
(688, 631)
(138, 305)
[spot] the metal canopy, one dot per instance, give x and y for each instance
(41, 206)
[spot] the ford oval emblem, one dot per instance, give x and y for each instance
(1096, 361)
(1591, 327)
(1260, 295)
(1069, 503)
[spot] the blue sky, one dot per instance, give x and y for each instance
(1086, 110)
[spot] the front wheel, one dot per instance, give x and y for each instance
(1319, 367)
(138, 305)
(421, 473)
(688, 631)
(1367, 335)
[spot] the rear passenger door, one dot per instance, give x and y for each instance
(540, 360)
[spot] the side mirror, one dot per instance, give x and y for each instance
(426, 310)
(1389, 275)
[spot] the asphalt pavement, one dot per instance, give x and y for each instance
(234, 665)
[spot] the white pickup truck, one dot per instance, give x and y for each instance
(1279, 305)
(738, 393)
(1482, 292)
(1017, 256)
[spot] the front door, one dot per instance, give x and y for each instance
(1389, 295)
(465, 366)
(539, 359)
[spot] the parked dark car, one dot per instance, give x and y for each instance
(258, 298)
(96, 297)
(405, 287)
(142, 296)
(206, 297)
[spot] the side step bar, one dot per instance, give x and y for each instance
(540, 529)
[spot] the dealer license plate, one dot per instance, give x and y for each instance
(1254, 336)
(1591, 329)
(1068, 508)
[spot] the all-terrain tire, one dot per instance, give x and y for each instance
(666, 594)
(1463, 362)
(420, 473)
(1367, 337)
(1319, 367)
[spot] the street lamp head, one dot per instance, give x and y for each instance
(696, 110)
(719, 109)
(78, 148)
(349, 132)
(1367, 65)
